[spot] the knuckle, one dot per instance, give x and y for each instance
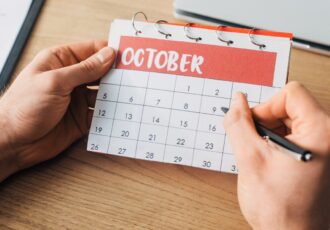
(44, 53)
(88, 66)
(47, 54)
(51, 51)
(294, 85)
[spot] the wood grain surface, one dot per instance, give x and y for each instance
(82, 190)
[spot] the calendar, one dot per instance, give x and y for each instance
(162, 100)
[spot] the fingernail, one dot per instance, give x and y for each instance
(105, 54)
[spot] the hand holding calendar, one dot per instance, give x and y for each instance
(162, 100)
(48, 103)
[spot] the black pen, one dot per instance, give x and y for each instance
(301, 154)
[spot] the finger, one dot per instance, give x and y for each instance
(291, 102)
(84, 50)
(89, 70)
(241, 131)
(281, 130)
(68, 54)
(91, 98)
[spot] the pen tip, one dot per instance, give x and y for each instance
(224, 109)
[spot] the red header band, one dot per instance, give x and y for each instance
(197, 60)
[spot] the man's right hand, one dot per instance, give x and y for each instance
(276, 191)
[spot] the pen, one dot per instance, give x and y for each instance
(301, 154)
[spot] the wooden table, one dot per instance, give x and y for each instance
(82, 190)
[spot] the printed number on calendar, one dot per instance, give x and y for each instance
(184, 124)
(152, 137)
(209, 145)
(121, 150)
(155, 119)
(177, 159)
(98, 129)
(206, 164)
(102, 112)
(212, 128)
(124, 133)
(180, 141)
(94, 147)
(128, 116)
(149, 155)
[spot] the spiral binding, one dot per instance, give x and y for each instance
(157, 24)
(187, 31)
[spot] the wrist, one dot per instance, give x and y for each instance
(8, 163)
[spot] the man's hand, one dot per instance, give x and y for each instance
(276, 191)
(46, 109)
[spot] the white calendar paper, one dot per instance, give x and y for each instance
(161, 101)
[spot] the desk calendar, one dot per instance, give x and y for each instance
(162, 99)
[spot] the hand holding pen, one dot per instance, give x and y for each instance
(271, 183)
(291, 148)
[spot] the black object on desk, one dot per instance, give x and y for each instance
(20, 41)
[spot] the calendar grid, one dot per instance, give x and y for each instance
(145, 95)
(165, 126)
(154, 142)
(182, 110)
(260, 94)
(202, 94)
(225, 135)
(105, 83)
(113, 119)
(196, 131)
(169, 120)
(175, 94)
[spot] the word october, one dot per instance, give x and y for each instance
(171, 61)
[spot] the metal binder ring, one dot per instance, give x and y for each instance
(137, 31)
(253, 41)
(219, 35)
(187, 29)
(160, 31)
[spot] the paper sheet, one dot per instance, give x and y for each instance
(162, 100)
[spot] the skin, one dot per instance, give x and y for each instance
(275, 191)
(47, 108)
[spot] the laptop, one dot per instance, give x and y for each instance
(309, 21)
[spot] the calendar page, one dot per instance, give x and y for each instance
(162, 100)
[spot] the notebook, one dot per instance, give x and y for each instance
(161, 100)
(16, 21)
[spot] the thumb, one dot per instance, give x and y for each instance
(241, 131)
(88, 70)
